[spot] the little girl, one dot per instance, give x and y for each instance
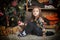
(34, 26)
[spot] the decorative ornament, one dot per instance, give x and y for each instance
(12, 19)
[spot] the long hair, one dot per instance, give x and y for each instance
(33, 17)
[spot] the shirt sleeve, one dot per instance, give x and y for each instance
(41, 19)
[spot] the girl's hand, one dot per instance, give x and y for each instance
(44, 23)
(20, 23)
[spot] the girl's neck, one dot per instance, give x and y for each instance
(36, 17)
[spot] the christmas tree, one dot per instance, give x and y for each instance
(13, 11)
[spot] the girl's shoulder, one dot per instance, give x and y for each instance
(41, 19)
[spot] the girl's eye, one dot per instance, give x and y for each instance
(35, 11)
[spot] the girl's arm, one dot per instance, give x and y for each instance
(20, 23)
(43, 24)
(41, 20)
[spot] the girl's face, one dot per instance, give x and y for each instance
(35, 12)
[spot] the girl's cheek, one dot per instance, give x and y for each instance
(37, 13)
(33, 13)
